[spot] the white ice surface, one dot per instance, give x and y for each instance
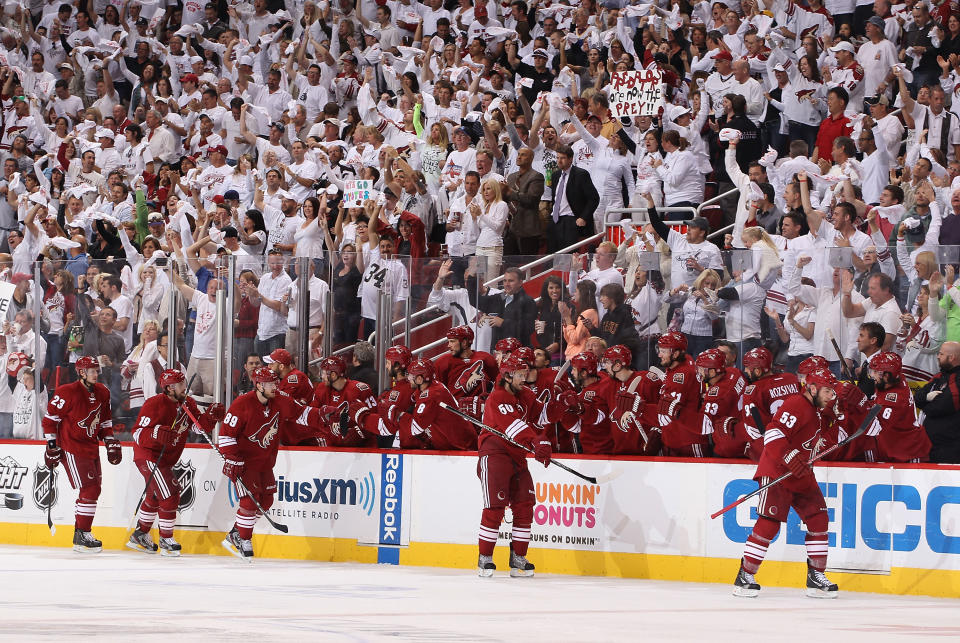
(55, 594)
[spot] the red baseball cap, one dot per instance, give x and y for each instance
(189, 78)
(279, 356)
(724, 55)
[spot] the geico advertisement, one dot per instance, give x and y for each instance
(879, 517)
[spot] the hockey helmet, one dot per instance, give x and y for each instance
(507, 345)
(511, 365)
(759, 357)
(711, 358)
(526, 354)
(673, 340)
(169, 377)
(618, 353)
(461, 333)
(264, 375)
(811, 364)
(334, 364)
(585, 361)
(422, 367)
(400, 354)
(822, 378)
(87, 362)
(887, 362)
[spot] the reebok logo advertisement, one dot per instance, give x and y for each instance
(44, 487)
(391, 503)
(12, 476)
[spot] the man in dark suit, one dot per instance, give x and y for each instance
(512, 312)
(574, 201)
(522, 192)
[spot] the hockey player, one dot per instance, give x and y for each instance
(790, 440)
(901, 437)
(587, 414)
(505, 480)
(684, 429)
(722, 401)
(849, 411)
(78, 417)
(400, 394)
(429, 426)
(249, 440)
(159, 438)
(765, 391)
(632, 407)
(466, 372)
(540, 378)
(293, 382)
(355, 425)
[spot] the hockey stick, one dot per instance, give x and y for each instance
(282, 528)
(53, 528)
(503, 436)
(757, 419)
(843, 363)
(143, 496)
(867, 422)
(562, 371)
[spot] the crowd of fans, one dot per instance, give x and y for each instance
(143, 142)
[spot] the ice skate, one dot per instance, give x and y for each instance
(85, 543)
(520, 567)
(746, 585)
(485, 566)
(819, 586)
(242, 549)
(141, 541)
(169, 547)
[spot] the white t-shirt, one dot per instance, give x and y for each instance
(318, 299)
(386, 274)
(705, 253)
(272, 323)
(205, 331)
(887, 314)
(124, 308)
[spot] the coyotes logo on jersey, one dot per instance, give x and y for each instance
(91, 423)
(267, 432)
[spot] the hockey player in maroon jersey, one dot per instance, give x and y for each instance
(901, 437)
(249, 440)
(792, 437)
(685, 430)
(466, 372)
(587, 414)
(78, 417)
(355, 425)
(505, 480)
(293, 382)
(850, 409)
(400, 394)
(722, 401)
(765, 391)
(159, 437)
(428, 426)
(629, 408)
(540, 378)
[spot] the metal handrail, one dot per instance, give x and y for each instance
(711, 201)
(632, 211)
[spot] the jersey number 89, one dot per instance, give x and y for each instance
(230, 419)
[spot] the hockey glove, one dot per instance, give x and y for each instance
(654, 442)
(51, 457)
(328, 412)
(164, 434)
(233, 469)
(114, 453)
(216, 412)
(570, 400)
(542, 452)
(796, 463)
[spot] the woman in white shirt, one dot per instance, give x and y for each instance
(683, 182)
(308, 239)
(491, 218)
(648, 182)
(796, 331)
(804, 99)
(922, 333)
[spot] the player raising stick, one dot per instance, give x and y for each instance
(159, 438)
(249, 440)
(791, 440)
(78, 417)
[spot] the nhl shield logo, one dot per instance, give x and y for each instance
(44, 487)
(185, 474)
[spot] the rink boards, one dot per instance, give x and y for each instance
(894, 530)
